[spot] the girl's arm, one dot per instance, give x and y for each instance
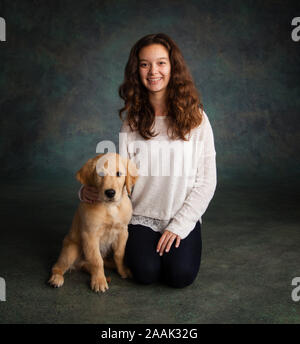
(202, 192)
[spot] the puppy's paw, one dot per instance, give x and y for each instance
(56, 280)
(125, 273)
(99, 283)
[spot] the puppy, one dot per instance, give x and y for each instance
(99, 229)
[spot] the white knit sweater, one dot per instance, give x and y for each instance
(173, 199)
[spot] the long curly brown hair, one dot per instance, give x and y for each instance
(184, 108)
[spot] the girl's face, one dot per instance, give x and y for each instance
(154, 68)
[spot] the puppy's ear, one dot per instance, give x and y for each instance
(131, 175)
(86, 174)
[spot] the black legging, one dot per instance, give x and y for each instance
(178, 268)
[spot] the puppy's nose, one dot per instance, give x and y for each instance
(110, 193)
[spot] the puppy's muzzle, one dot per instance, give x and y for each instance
(110, 193)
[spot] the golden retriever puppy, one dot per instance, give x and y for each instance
(101, 228)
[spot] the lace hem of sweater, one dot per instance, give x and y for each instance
(155, 224)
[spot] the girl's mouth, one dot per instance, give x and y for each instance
(154, 81)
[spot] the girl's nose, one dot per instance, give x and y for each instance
(153, 69)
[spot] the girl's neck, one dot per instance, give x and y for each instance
(158, 101)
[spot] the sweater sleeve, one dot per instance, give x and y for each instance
(202, 191)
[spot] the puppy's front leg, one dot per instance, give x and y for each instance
(67, 257)
(91, 251)
(119, 251)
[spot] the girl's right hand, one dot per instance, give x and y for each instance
(89, 194)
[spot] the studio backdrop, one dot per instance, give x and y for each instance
(63, 61)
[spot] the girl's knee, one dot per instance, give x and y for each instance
(146, 273)
(180, 278)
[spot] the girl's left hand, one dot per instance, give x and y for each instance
(166, 241)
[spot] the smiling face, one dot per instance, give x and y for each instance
(154, 68)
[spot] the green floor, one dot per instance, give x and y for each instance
(251, 253)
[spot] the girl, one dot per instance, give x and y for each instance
(164, 113)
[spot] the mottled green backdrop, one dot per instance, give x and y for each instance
(63, 61)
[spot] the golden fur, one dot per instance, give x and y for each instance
(100, 228)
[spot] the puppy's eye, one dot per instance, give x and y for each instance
(119, 174)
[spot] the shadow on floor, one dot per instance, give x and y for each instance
(251, 253)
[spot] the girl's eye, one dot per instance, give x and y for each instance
(145, 65)
(119, 174)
